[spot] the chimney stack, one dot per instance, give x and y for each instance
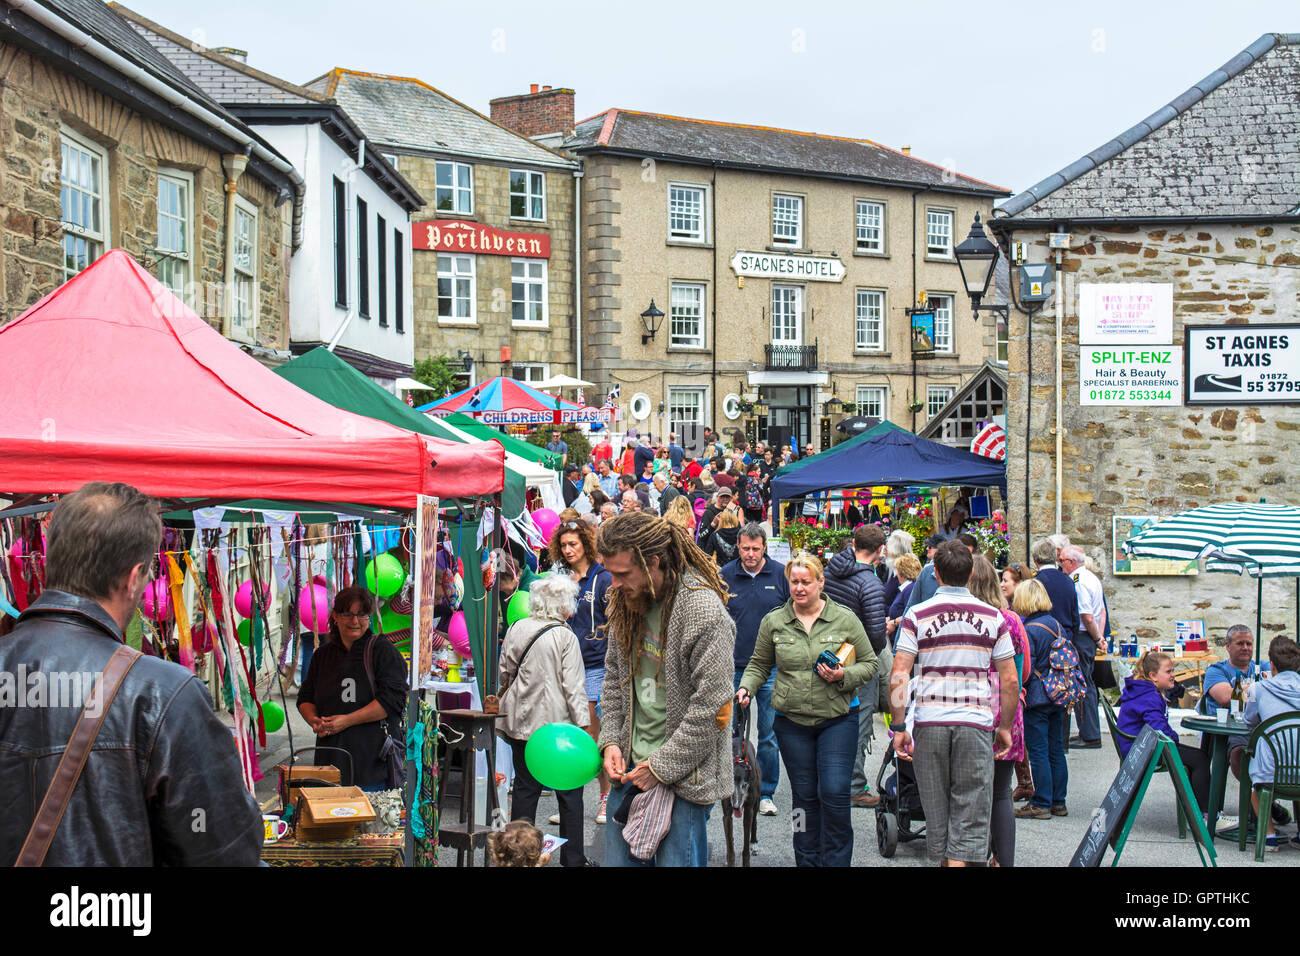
(907, 150)
(542, 111)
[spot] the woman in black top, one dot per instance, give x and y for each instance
(336, 697)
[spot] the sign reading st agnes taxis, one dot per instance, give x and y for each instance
(768, 265)
(1242, 364)
(455, 235)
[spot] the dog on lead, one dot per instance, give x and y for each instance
(747, 790)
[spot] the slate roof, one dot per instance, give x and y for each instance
(405, 113)
(732, 145)
(1228, 147)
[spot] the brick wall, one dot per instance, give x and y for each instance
(535, 114)
(1135, 461)
(36, 102)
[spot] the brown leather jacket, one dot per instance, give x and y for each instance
(161, 787)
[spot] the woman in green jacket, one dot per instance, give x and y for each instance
(816, 708)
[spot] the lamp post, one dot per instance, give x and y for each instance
(651, 318)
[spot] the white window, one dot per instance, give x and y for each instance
(82, 194)
(685, 407)
(456, 289)
(687, 215)
(686, 315)
(873, 401)
(528, 291)
(175, 234)
(243, 315)
(942, 305)
(938, 232)
(527, 195)
(454, 188)
(1003, 341)
(936, 397)
(870, 321)
(530, 374)
(391, 158)
(787, 314)
(787, 220)
(871, 226)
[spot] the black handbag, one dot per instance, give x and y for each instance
(393, 751)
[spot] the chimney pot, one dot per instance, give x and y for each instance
(545, 88)
(532, 88)
(907, 150)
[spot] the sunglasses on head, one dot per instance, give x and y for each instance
(570, 524)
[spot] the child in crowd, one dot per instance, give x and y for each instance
(519, 844)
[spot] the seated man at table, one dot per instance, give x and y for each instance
(1279, 694)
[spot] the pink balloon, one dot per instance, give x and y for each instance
(547, 521)
(244, 598)
(321, 596)
(321, 580)
(458, 634)
(157, 603)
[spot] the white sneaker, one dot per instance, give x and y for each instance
(554, 818)
(600, 809)
(767, 807)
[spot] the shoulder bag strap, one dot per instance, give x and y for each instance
(520, 666)
(73, 761)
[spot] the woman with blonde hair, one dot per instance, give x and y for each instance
(816, 723)
(908, 569)
(1043, 718)
(723, 544)
(681, 514)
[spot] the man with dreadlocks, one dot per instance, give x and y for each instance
(666, 702)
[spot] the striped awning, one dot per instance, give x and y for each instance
(991, 442)
(1262, 539)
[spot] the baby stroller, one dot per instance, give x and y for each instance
(900, 803)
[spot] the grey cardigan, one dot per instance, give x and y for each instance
(695, 760)
(549, 688)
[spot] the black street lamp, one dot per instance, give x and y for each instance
(652, 318)
(834, 406)
(977, 257)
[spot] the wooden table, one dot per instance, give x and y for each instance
(1197, 661)
(361, 850)
(1218, 734)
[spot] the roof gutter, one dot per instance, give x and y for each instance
(85, 41)
(417, 149)
(1005, 223)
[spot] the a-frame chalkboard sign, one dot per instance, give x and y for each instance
(1111, 823)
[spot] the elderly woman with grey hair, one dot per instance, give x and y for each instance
(897, 544)
(542, 682)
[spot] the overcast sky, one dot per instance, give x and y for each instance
(1006, 92)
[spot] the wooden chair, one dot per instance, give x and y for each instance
(1115, 735)
(1281, 734)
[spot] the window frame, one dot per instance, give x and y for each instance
(798, 318)
(527, 194)
(544, 281)
(545, 368)
(399, 277)
(706, 226)
(945, 255)
(104, 234)
(250, 275)
(799, 222)
(186, 257)
(701, 339)
(363, 258)
(1001, 339)
(340, 243)
(931, 409)
(858, 391)
(673, 391)
(455, 187)
(472, 276)
(952, 318)
(858, 247)
(381, 268)
(858, 345)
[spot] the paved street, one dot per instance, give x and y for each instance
(1153, 841)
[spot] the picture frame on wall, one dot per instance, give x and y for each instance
(1124, 527)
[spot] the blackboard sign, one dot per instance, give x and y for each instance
(1113, 820)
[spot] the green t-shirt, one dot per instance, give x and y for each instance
(649, 699)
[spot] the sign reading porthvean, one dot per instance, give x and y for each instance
(779, 266)
(454, 235)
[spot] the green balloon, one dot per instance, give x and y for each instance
(518, 608)
(562, 756)
(385, 575)
(273, 715)
(244, 631)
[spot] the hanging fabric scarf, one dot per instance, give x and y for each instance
(176, 584)
(224, 652)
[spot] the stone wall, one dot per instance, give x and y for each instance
(1134, 461)
(36, 102)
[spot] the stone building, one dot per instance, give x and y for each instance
(1191, 219)
(351, 277)
(108, 145)
(494, 248)
(783, 263)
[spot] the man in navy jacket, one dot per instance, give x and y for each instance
(757, 586)
(1065, 599)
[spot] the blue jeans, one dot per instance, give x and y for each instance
(819, 760)
(1085, 714)
(1046, 751)
(685, 844)
(308, 644)
(769, 756)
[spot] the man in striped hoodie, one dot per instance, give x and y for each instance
(954, 637)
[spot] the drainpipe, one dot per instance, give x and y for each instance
(1060, 428)
(577, 270)
(234, 165)
(713, 385)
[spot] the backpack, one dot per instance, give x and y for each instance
(1064, 683)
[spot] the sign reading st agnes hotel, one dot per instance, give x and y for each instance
(777, 266)
(455, 235)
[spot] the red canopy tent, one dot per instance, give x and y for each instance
(111, 377)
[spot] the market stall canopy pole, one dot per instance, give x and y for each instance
(111, 377)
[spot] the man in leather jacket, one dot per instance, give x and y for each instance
(162, 785)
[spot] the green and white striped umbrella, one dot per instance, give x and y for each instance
(1263, 539)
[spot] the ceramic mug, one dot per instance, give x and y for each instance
(273, 828)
